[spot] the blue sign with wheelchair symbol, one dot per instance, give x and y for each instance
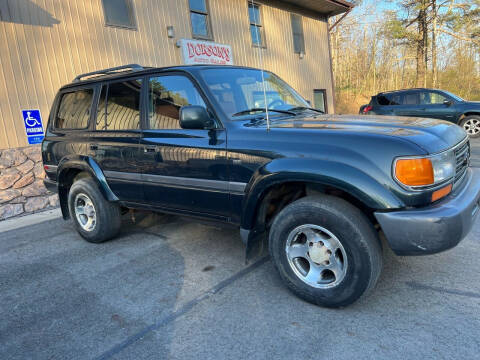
(33, 126)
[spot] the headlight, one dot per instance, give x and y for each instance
(425, 171)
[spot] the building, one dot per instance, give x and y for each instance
(44, 44)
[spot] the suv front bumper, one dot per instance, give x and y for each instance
(434, 228)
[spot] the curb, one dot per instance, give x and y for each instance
(32, 219)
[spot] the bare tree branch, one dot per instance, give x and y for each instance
(459, 36)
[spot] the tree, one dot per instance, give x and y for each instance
(411, 29)
(434, 43)
(406, 44)
(461, 20)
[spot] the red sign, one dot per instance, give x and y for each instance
(205, 52)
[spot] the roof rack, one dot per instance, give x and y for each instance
(132, 67)
(406, 89)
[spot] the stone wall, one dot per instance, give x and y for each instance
(21, 183)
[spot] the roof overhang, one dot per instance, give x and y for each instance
(323, 7)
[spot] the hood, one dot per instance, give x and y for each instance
(471, 103)
(431, 135)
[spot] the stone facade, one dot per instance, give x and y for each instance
(21, 183)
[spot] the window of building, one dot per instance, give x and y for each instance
(74, 110)
(297, 30)
(119, 13)
(200, 20)
(119, 106)
(320, 99)
(256, 24)
(166, 95)
(4, 11)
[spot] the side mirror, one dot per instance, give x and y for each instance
(447, 103)
(195, 117)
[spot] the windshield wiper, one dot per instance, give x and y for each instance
(248, 111)
(300, 108)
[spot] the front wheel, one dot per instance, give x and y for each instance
(325, 250)
(471, 124)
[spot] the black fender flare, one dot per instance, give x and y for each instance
(86, 164)
(352, 180)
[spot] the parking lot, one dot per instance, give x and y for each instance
(169, 287)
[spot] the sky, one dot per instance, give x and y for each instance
(370, 11)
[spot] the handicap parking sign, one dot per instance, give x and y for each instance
(33, 126)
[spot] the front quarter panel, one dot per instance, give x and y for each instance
(349, 179)
(466, 109)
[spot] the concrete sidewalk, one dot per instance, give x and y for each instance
(28, 220)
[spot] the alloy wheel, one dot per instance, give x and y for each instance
(85, 212)
(472, 126)
(316, 256)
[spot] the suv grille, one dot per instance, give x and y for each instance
(462, 154)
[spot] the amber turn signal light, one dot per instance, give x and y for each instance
(438, 194)
(414, 172)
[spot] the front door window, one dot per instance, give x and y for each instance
(166, 95)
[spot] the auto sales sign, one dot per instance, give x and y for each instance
(205, 52)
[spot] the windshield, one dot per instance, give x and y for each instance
(455, 97)
(238, 90)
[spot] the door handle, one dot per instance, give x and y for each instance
(150, 149)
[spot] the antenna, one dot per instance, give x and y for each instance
(260, 56)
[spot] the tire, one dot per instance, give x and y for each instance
(471, 124)
(355, 250)
(107, 216)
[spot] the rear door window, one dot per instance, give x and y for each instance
(397, 99)
(119, 106)
(74, 110)
(411, 98)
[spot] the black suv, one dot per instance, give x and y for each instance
(316, 189)
(427, 103)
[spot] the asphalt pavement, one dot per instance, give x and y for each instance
(169, 287)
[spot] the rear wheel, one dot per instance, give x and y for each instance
(471, 124)
(326, 250)
(95, 218)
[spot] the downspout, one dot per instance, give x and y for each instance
(330, 53)
(332, 79)
(339, 20)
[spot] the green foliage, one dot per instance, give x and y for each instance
(394, 28)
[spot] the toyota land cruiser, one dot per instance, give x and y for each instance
(240, 146)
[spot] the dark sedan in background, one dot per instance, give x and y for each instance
(427, 103)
